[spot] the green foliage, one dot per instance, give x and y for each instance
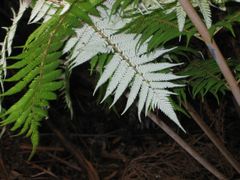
(227, 22)
(205, 77)
(153, 23)
(145, 6)
(159, 27)
(38, 74)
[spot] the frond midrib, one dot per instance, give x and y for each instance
(124, 57)
(42, 65)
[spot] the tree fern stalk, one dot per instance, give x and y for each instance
(212, 136)
(213, 48)
(187, 147)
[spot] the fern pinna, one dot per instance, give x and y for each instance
(129, 66)
(39, 70)
(169, 6)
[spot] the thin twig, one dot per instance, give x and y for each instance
(66, 163)
(41, 148)
(216, 141)
(3, 169)
(44, 171)
(186, 147)
(213, 48)
(87, 165)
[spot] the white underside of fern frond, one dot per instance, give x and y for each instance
(6, 45)
(45, 10)
(203, 5)
(129, 67)
(42, 9)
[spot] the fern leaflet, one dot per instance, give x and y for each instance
(39, 72)
(128, 65)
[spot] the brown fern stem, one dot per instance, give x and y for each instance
(212, 136)
(213, 48)
(186, 146)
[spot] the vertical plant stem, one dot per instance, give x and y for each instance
(212, 136)
(213, 48)
(186, 147)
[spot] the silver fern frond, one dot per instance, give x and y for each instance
(43, 9)
(181, 16)
(6, 45)
(203, 5)
(129, 67)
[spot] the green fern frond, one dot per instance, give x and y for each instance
(226, 23)
(155, 26)
(39, 72)
(205, 77)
